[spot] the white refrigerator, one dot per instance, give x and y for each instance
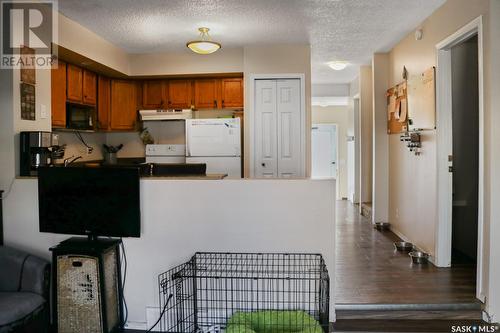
(216, 142)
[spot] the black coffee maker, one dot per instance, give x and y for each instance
(35, 152)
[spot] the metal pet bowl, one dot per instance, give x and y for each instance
(380, 226)
(403, 246)
(419, 257)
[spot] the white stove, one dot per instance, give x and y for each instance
(165, 153)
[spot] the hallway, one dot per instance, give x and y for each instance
(369, 271)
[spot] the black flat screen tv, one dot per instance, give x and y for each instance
(89, 201)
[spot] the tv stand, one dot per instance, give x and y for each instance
(87, 283)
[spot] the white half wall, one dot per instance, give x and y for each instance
(180, 217)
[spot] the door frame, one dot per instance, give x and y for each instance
(444, 136)
(336, 138)
(303, 127)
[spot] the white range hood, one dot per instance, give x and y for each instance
(147, 115)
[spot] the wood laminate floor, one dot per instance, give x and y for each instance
(370, 271)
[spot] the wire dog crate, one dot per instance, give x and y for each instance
(245, 292)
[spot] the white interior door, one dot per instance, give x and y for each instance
(266, 161)
(324, 151)
(288, 130)
(277, 128)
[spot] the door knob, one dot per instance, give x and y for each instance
(263, 164)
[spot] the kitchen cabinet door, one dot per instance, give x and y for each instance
(123, 105)
(179, 94)
(103, 102)
(58, 94)
(205, 94)
(74, 83)
(89, 87)
(154, 94)
(232, 93)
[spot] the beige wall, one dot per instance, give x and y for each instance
(412, 209)
(278, 59)
(336, 115)
(366, 132)
(353, 177)
(7, 150)
(380, 178)
(492, 102)
(79, 39)
(42, 100)
(187, 62)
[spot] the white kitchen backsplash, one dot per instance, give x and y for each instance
(76, 148)
(132, 144)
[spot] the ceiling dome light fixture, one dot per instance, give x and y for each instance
(204, 45)
(337, 65)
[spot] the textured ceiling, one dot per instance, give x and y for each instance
(350, 30)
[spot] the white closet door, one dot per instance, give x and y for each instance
(278, 129)
(288, 131)
(266, 161)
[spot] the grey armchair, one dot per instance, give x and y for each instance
(24, 292)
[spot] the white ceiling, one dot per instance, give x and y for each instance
(350, 30)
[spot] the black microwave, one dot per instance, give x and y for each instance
(80, 117)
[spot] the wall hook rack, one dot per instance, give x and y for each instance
(413, 141)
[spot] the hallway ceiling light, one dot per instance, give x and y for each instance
(204, 45)
(337, 65)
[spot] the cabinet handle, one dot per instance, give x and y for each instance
(263, 164)
(215, 102)
(222, 103)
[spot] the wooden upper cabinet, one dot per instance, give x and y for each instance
(103, 103)
(232, 93)
(58, 94)
(89, 87)
(179, 94)
(205, 94)
(123, 105)
(74, 83)
(154, 94)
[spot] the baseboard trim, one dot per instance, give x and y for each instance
(398, 233)
(409, 307)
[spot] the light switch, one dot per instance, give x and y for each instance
(43, 112)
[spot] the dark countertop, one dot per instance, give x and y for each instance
(120, 161)
(173, 172)
(208, 176)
